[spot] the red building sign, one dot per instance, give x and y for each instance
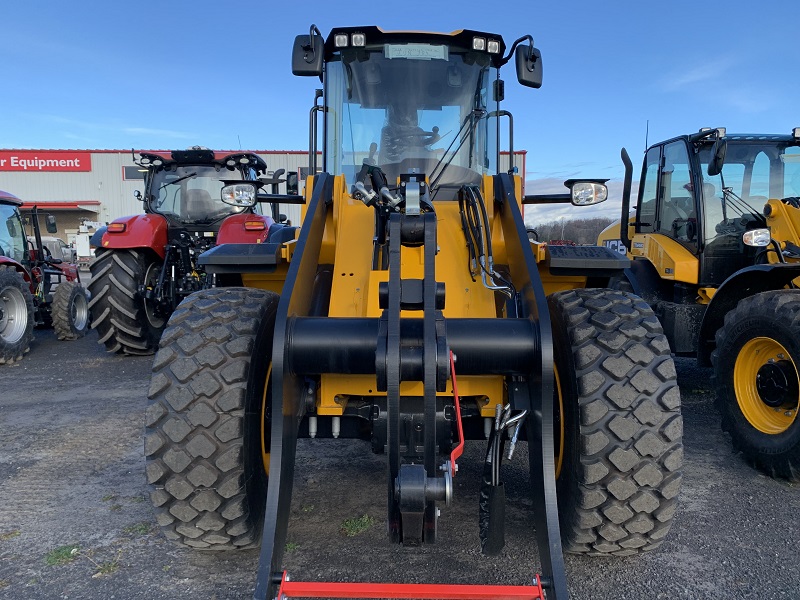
(52, 160)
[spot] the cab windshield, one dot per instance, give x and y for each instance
(191, 193)
(407, 107)
(754, 171)
(12, 236)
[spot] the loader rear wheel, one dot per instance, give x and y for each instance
(70, 311)
(756, 365)
(125, 322)
(207, 422)
(621, 467)
(16, 316)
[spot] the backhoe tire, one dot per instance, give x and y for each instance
(124, 321)
(70, 311)
(756, 365)
(16, 315)
(209, 399)
(619, 406)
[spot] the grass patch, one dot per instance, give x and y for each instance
(4, 583)
(62, 555)
(291, 546)
(115, 507)
(109, 497)
(9, 535)
(351, 527)
(137, 529)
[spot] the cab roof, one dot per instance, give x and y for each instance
(8, 198)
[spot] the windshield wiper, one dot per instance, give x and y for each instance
(178, 180)
(472, 118)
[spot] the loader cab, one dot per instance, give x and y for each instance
(705, 214)
(412, 102)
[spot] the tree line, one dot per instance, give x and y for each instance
(580, 231)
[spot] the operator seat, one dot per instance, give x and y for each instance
(198, 204)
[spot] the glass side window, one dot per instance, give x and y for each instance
(676, 213)
(12, 235)
(759, 181)
(646, 212)
(791, 172)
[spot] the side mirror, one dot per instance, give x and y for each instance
(529, 66)
(587, 192)
(282, 218)
(718, 152)
(292, 185)
(239, 194)
(308, 53)
(12, 229)
(138, 195)
(50, 224)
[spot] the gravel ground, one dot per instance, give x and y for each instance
(72, 475)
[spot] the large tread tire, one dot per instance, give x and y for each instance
(119, 313)
(208, 394)
(70, 311)
(16, 315)
(760, 326)
(621, 467)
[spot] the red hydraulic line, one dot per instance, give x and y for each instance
(418, 591)
(459, 449)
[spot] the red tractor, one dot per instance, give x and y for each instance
(146, 264)
(35, 288)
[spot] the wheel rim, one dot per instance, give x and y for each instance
(13, 315)
(150, 282)
(80, 311)
(558, 423)
(766, 383)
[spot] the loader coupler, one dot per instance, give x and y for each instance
(397, 348)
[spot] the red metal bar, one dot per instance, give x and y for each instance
(459, 449)
(418, 591)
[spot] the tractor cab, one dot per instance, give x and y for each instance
(13, 242)
(409, 102)
(185, 187)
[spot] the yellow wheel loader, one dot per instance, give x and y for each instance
(412, 312)
(715, 243)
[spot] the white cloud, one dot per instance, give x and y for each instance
(680, 79)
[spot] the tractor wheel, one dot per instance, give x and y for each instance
(618, 411)
(124, 321)
(756, 367)
(16, 316)
(70, 311)
(207, 423)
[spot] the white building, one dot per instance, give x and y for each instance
(84, 187)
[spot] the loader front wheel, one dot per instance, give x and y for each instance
(756, 365)
(124, 320)
(16, 315)
(207, 432)
(70, 311)
(622, 449)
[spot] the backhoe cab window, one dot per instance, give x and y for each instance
(192, 193)
(411, 106)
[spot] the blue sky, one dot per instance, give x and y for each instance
(103, 74)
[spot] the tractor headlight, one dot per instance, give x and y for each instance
(359, 40)
(585, 193)
(478, 43)
(340, 40)
(493, 46)
(758, 238)
(239, 194)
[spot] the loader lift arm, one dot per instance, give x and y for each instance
(531, 367)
